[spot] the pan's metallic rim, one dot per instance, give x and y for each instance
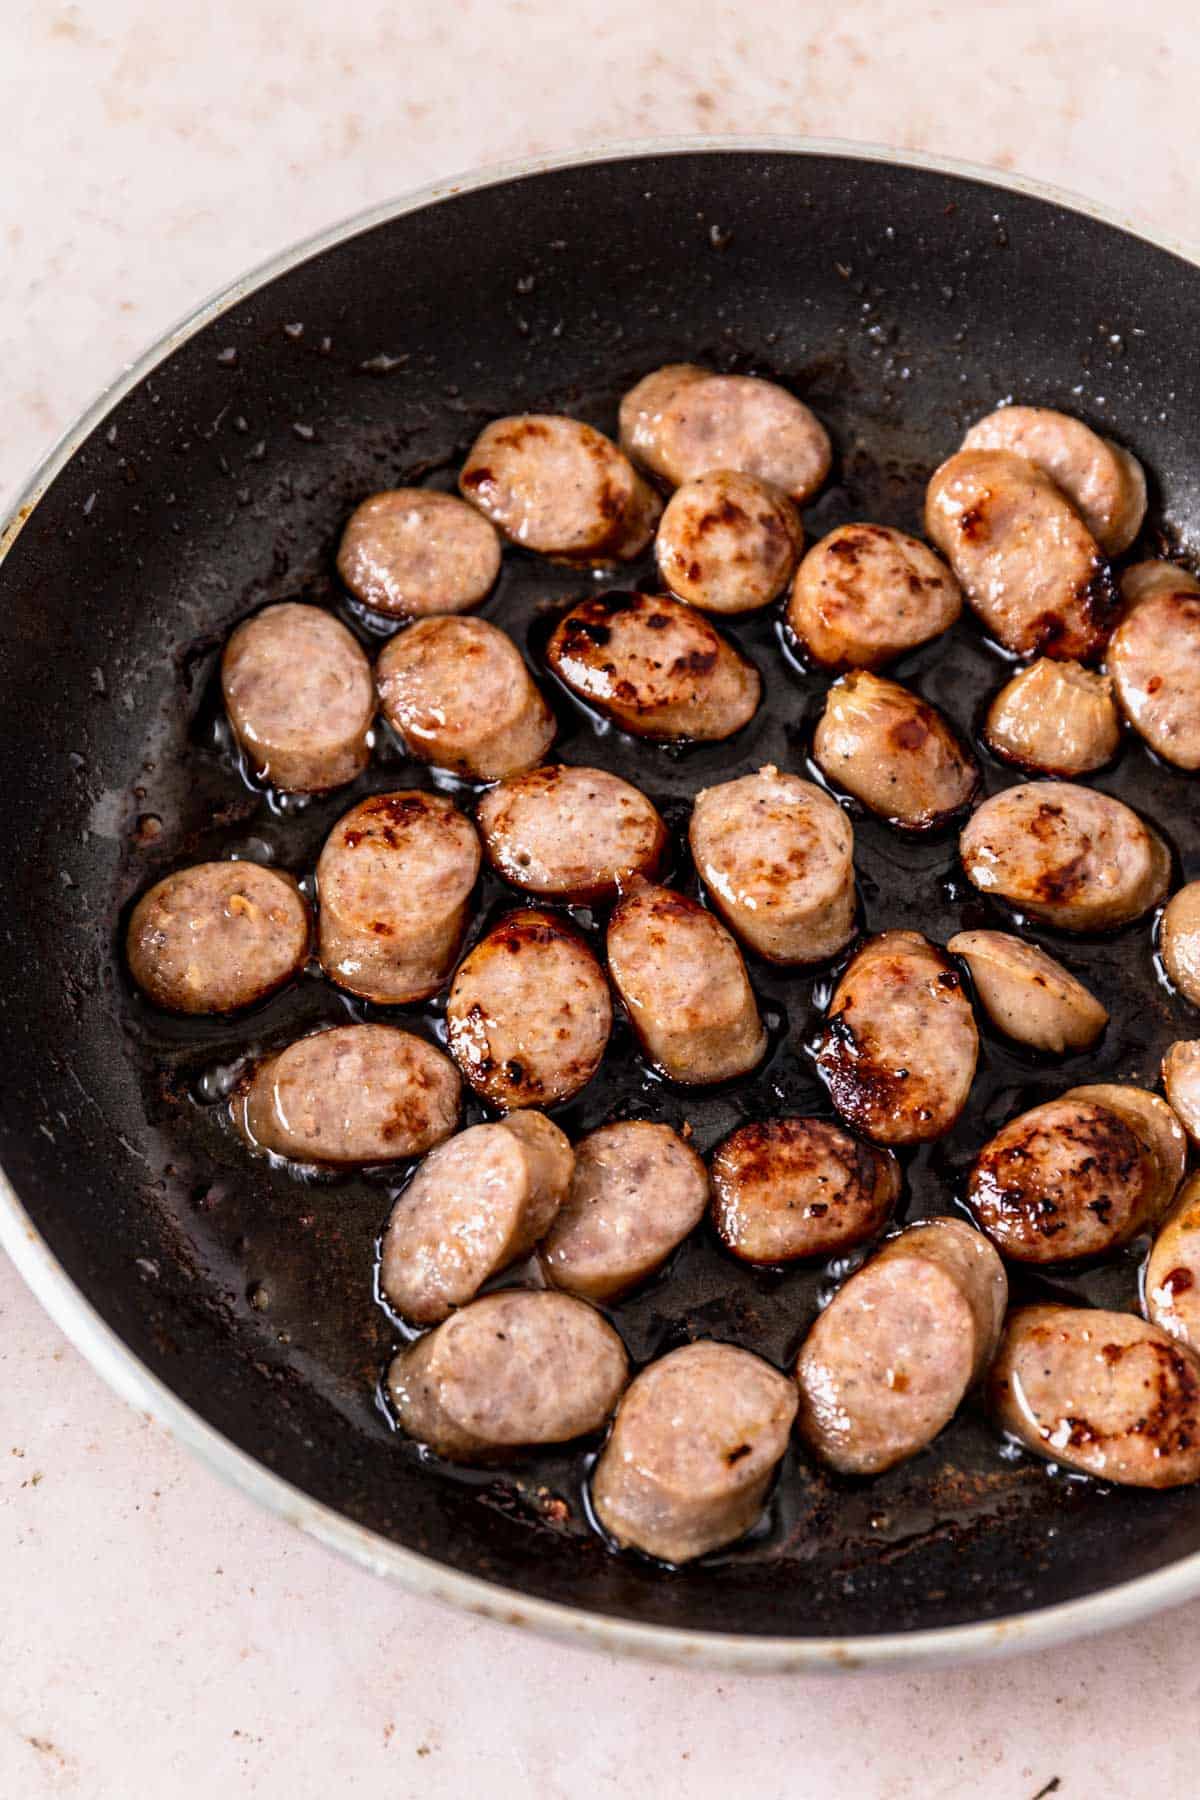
(117, 1364)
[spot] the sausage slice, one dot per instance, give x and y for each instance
(1154, 1122)
(728, 543)
(458, 694)
(299, 696)
(696, 1440)
(789, 1188)
(1027, 995)
(894, 752)
(1179, 941)
(887, 1363)
(555, 485)
(655, 667)
(1102, 480)
(570, 833)
(217, 937)
(410, 552)
(1056, 717)
(1172, 1284)
(866, 594)
(1102, 1392)
(1181, 1084)
(682, 422)
(1154, 659)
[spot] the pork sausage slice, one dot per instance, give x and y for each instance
(478, 1202)
(1028, 995)
(1154, 1122)
(696, 1441)
(655, 667)
(636, 1193)
(866, 594)
(1172, 1280)
(395, 880)
(1179, 941)
(899, 1046)
(894, 752)
(1065, 854)
(887, 1363)
(1181, 1084)
(728, 543)
(410, 552)
(570, 833)
(529, 1012)
(1102, 480)
(1102, 1392)
(682, 422)
(299, 696)
(1056, 717)
(509, 1371)
(1154, 659)
(789, 1188)
(683, 980)
(458, 694)
(217, 937)
(555, 485)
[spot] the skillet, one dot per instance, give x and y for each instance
(901, 299)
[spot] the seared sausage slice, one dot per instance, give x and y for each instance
(1102, 1392)
(1056, 717)
(410, 552)
(682, 422)
(1025, 559)
(776, 855)
(1154, 659)
(655, 667)
(1181, 1084)
(636, 1193)
(395, 880)
(1103, 481)
(899, 1046)
(477, 1203)
(696, 1440)
(299, 697)
(1154, 1123)
(1172, 1283)
(887, 1363)
(1028, 995)
(1065, 854)
(508, 1371)
(458, 694)
(894, 752)
(555, 485)
(684, 982)
(571, 833)
(351, 1094)
(1179, 941)
(728, 543)
(866, 594)
(789, 1188)
(529, 1012)
(218, 936)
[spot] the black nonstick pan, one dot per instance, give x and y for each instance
(236, 1301)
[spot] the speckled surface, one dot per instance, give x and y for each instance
(160, 1635)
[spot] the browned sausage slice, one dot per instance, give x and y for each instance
(696, 1440)
(654, 666)
(555, 485)
(459, 695)
(682, 422)
(789, 1188)
(570, 833)
(1153, 1121)
(529, 1012)
(299, 697)
(866, 594)
(217, 936)
(1179, 941)
(728, 543)
(395, 879)
(1102, 1392)
(1181, 1084)
(1103, 482)
(1027, 994)
(1172, 1283)
(887, 1363)
(509, 1371)
(412, 551)
(1154, 659)
(894, 752)
(636, 1193)
(1056, 717)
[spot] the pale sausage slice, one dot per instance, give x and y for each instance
(894, 752)
(1027, 994)
(1172, 1280)
(555, 485)
(1103, 481)
(1154, 659)
(728, 543)
(1179, 941)
(217, 937)
(509, 1371)
(458, 694)
(696, 1441)
(789, 1188)
(299, 696)
(888, 1362)
(866, 594)
(1056, 717)
(410, 552)
(682, 422)
(1181, 1084)
(570, 833)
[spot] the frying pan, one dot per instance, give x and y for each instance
(233, 1301)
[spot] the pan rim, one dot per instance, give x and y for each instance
(117, 1364)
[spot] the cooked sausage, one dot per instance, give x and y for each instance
(1179, 941)
(636, 1193)
(683, 980)
(1172, 1281)
(887, 1363)
(555, 485)
(894, 752)
(1102, 480)
(478, 1202)
(1065, 854)
(866, 594)
(1026, 561)
(350, 1094)
(728, 543)
(655, 667)
(1181, 1084)
(1102, 1392)
(899, 1046)
(776, 855)
(508, 1371)
(410, 552)
(571, 833)
(529, 1012)
(1154, 1122)
(1028, 995)
(394, 881)
(299, 696)
(217, 937)
(1154, 659)
(458, 694)
(1056, 717)
(682, 422)
(789, 1188)
(694, 1445)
